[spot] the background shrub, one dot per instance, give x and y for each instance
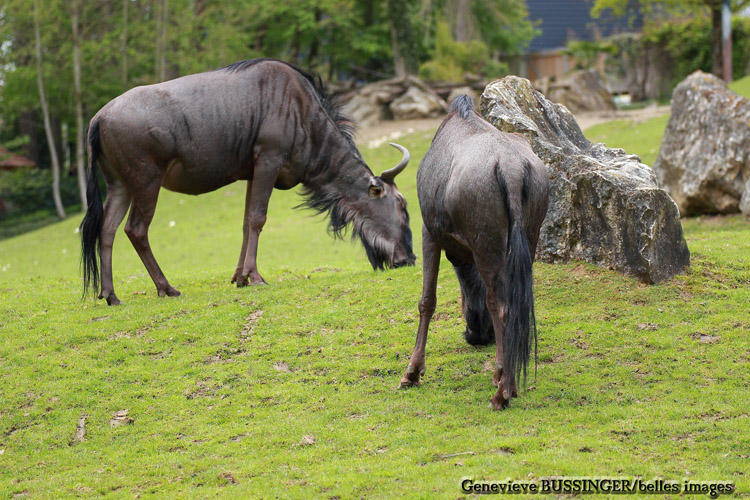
(30, 189)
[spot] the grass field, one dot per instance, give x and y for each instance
(289, 390)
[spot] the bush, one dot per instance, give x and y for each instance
(586, 53)
(452, 59)
(30, 189)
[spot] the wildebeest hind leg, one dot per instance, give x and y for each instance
(473, 304)
(430, 268)
(115, 208)
(256, 208)
(141, 214)
(493, 276)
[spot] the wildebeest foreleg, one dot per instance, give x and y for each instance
(256, 208)
(141, 214)
(430, 268)
(245, 235)
(115, 208)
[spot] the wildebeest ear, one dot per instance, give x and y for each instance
(376, 190)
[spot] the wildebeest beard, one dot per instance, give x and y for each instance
(379, 248)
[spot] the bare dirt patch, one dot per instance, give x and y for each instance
(381, 133)
(384, 132)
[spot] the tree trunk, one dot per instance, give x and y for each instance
(462, 31)
(160, 72)
(399, 64)
(294, 57)
(402, 37)
(716, 68)
(45, 112)
(369, 13)
(78, 97)
(726, 41)
(26, 121)
(164, 22)
(124, 44)
(314, 45)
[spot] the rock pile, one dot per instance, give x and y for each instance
(394, 99)
(605, 205)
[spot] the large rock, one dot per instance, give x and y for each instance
(417, 103)
(582, 91)
(605, 205)
(704, 159)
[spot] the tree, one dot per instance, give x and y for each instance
(76, 8)
(404, 42)
(619, 8)
(45, 113)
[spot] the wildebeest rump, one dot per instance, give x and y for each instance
(483, 195)
(263, 121)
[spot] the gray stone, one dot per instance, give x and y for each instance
(364, 110)
(473, 94)
(704, 158)
(417, 103)
(605, 205)
(582, 91)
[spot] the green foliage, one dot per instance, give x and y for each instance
(504, 25)
(225, 384)
(452, 59)
(29, 189)
(688, 43)
(586, 52)
(651, 7)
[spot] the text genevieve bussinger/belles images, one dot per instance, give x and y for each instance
(591, 485)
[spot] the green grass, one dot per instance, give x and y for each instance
(644, 139)
(289, 390)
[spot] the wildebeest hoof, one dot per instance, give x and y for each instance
(259, 281)
(169, 292)
(411, 377)
(112, 299)
(500, 401)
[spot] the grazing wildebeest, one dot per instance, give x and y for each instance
(263, 121)
(483, 195)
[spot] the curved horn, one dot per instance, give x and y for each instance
(391, 173)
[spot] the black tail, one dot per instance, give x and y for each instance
(91, 227)
(520, 326)
(479, 329)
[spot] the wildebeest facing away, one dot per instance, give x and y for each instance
(483, 195)
(263, 121)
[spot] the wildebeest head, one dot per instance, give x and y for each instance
(383, 225)
(377, 211)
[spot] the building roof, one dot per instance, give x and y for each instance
(565, 20)
(13, 161)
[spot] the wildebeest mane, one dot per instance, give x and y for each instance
(339, 218)
(332, 105)
(326, 202)
(463, 105)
